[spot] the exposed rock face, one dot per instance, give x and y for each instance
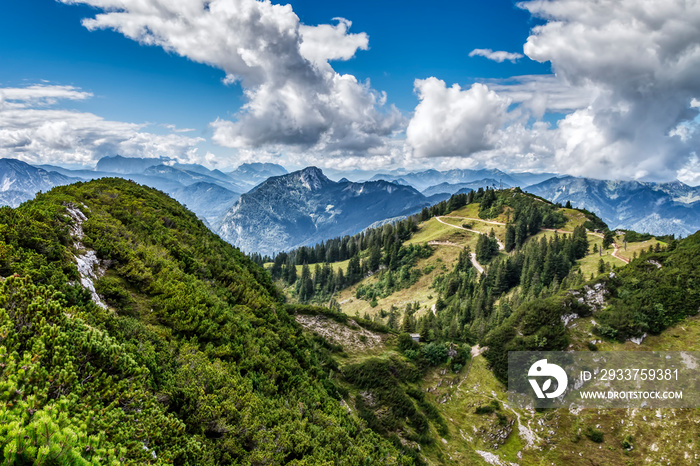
(350, 337)
(591, 296)
(89, 266)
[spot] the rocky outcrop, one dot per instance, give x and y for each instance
(89, 266)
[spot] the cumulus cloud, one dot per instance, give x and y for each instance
(643, 57)
(690, 173)
(454, 122)
(294, 97)
(625, 76)
(34, 130)
(496, 55)
(327, 42)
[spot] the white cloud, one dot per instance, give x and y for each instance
(326, 42)
(39, 95)
(294, 97)
(452, 121)
(542, 94)
(626, 78)
(690, 173)
(33, 130)
(643, 57)
(175, 129)
(497, 56)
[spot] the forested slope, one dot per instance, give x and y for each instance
(193, 360)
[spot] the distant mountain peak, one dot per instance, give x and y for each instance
(126, 165)
(313, 178)
(644, 206)
(305, 207)
(20, 181)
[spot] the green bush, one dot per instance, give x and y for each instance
(199, 363)
(594, 435)
(489, 408)
(434, 353)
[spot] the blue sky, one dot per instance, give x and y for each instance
(311, 90)
(44, 40)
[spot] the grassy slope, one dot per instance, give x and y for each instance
(558, 434)
(659, 437)
(445, 256)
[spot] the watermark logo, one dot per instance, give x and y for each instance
(604, 379)
(542, 369)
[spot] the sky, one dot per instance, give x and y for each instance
(604, 89)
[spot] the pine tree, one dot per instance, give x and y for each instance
(305, 285)
(608, 239)
(510, 238)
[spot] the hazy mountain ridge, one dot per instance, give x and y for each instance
(210, 201)
(306, 207)
(453, 188)
(20, 181)
(209, 193)
(428, 178)
(125, 165)
(188, 177)
(252, 174)
(656, 208)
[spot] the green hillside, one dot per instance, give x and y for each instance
(550, 257)
(130, 334)
(185, 354)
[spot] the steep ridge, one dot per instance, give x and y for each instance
(193, 361)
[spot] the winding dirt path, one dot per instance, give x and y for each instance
(472, 257)
(615, 254)
(492, 222)
(501, 246)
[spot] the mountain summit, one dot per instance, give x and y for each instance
(305, 207)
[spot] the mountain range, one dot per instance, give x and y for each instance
(656, 208)
(208, 193)
(453, 188)
(430, 178)
(252, 174)
(277, 214)
(20, 181)
(305, 207)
